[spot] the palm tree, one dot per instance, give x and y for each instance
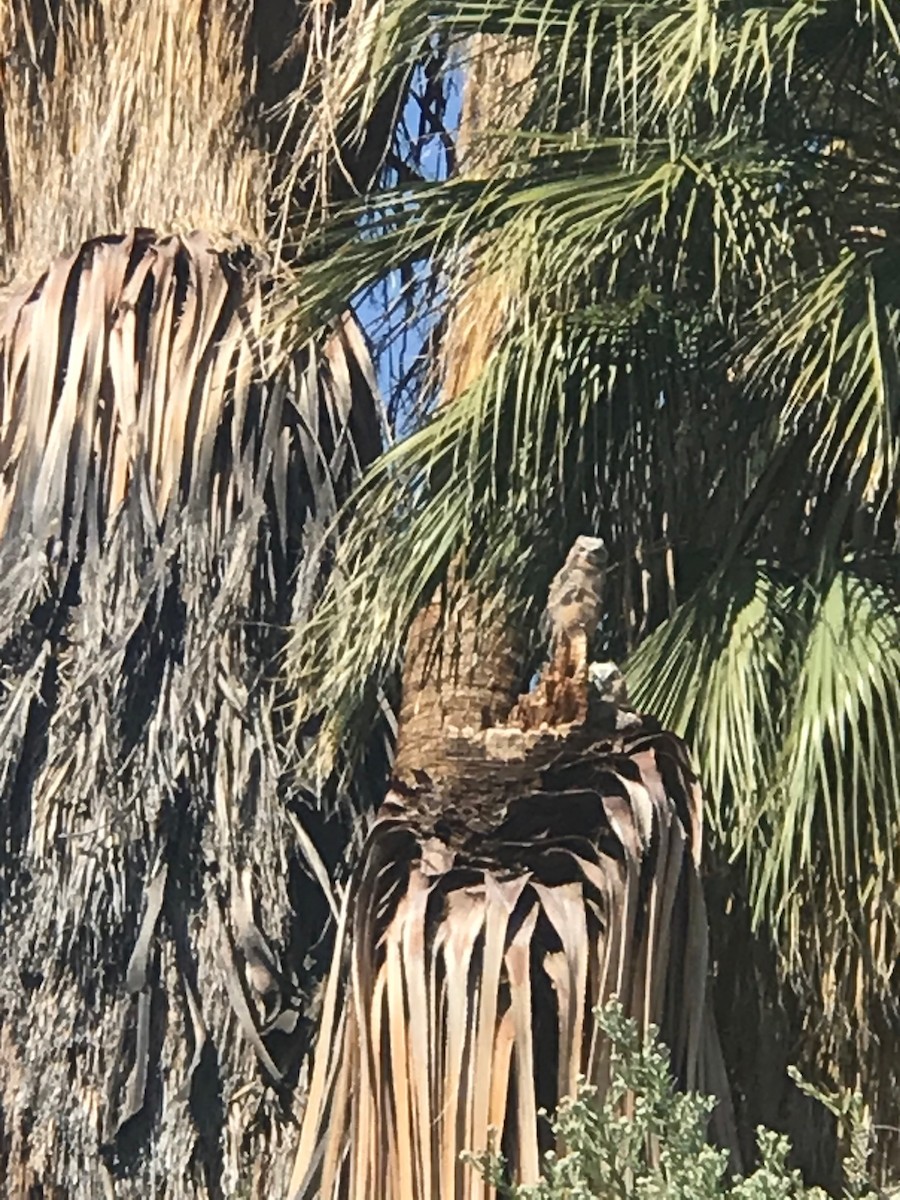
(172, 462)
(686, 197)
(508, 885)
(698, 359)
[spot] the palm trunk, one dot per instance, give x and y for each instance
(516, 877)
(165, 466)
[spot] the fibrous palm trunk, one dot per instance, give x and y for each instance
(513, 880)
(166, 467)
(157, 487)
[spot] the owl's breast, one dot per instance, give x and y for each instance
(576, 606)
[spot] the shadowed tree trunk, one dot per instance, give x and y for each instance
(168, 462)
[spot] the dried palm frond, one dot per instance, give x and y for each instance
(492, 910)
(167, 469)
(342, 35)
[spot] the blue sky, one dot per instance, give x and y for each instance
(397, 342)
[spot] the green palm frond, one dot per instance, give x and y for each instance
(833, 357)
(462, 489)
(569, 373)
(686, 255)
(709, 236)
(837, 777)
(789, 693)
(595, 52)
(715, 673)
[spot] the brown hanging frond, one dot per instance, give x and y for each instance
(547, 870)
(168, 488)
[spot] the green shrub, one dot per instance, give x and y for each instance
(660, 1151)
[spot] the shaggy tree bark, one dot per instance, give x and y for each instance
(165, 467)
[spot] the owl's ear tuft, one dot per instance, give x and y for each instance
(593, 548)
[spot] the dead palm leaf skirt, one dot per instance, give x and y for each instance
(486, 921)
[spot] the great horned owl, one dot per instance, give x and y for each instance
(575, 603)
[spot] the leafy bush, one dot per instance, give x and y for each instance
(659, 1152)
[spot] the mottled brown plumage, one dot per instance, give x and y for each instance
(575, 604)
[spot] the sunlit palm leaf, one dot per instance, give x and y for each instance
(841, 740)
(833, 356)
(716, 674)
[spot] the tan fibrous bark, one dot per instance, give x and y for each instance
(460, 672)
(462, 665)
